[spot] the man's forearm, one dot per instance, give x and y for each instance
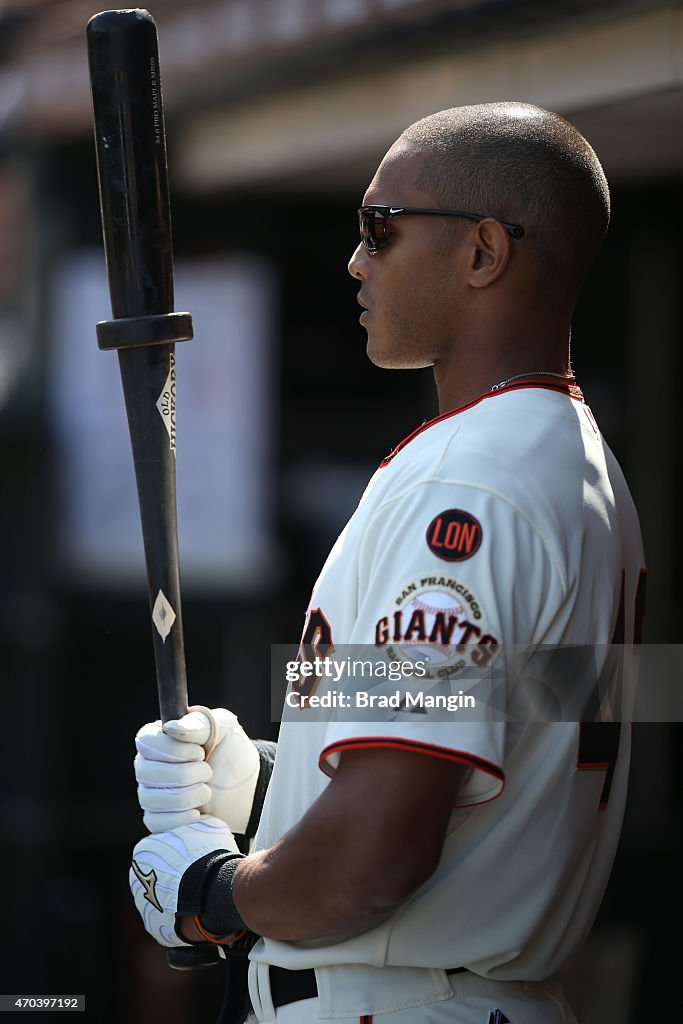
(279, 895)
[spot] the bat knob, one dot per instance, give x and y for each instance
(192, 958)
(107, 22)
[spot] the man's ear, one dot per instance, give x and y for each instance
(490, 253)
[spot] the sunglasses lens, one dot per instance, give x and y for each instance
(373, 231)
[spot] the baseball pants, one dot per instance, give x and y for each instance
(474, 1000)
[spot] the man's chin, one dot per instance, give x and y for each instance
(389, 357)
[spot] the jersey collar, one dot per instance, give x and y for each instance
(570, 388)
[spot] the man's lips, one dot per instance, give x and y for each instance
(366, 312)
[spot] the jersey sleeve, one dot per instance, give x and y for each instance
(447, 576)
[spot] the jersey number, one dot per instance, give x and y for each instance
(316, 643)
(599, 741)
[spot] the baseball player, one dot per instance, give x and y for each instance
(410, 866)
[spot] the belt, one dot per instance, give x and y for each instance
(290, 986)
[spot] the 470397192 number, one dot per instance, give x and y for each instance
(61, 1002)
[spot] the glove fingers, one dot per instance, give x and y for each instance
(180, 798)
(192, 728)
(172, 759)
(164, 821)
(163, 774)
(157, 746)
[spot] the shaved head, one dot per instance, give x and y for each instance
(520, 163)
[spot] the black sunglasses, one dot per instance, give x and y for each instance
(374, 222)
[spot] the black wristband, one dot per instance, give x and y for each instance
(218, 914)
(206, 890)
(196, 877)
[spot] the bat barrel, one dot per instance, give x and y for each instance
(130, 143)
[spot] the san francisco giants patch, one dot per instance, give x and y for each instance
(454, 535)
(437, 620)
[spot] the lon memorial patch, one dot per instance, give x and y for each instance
(454, 535)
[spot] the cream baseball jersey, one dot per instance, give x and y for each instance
(502, 526)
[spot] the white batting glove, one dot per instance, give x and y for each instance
(160, 861)
(175, 781)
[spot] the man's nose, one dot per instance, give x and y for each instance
(358, 262)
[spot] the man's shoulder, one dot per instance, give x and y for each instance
(531, 457)
(514, 420)
(506, 443)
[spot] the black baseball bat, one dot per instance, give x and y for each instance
(136, 225)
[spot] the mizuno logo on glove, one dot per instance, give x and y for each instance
(148, 883)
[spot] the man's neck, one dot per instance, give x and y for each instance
(455, 391)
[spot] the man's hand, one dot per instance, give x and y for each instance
(159, 862)
(175, 781)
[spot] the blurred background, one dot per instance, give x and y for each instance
(277, 113)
